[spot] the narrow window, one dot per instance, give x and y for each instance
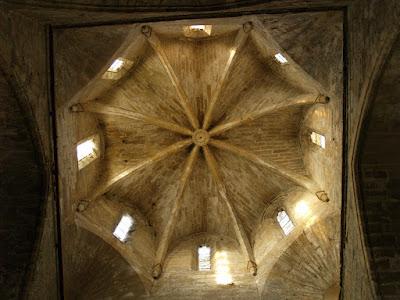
(87, 151)
(204, 258)
(198, 27)
(116, 65)
(124, 227)
(118, 68)
(197, 31)
(285, 222)
(318, 139)
(203, 28)
(281, 59)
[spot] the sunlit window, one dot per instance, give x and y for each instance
(204, 258)
(280, 58)
(318, 139)
(197, 30)
(124, 227)
(116, 65)
(285, 222)
(222, 269)
(118, 68)
(203, 28)
(86, 152)
(198, 27)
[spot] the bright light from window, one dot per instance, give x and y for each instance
(116, 65)
(124, 227)
(280, 58)
(318, 139)
(302, 209)
(285, 222)
(86, 152)
(85, 149)
(204, 258)
(222, 270)
(118, 69)
(198, 27)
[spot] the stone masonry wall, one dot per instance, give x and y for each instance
(23, 55)
(372, 28)
(380, 179)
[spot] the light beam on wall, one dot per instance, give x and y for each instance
(302, 209)
(222, 270)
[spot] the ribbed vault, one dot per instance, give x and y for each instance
(198, 136)
(186, 107)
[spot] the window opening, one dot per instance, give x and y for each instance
(280, 58)
(116, 65)
(125, 226)
(204, 258)
(118, 68)
(87, 151)
(197, 31)
(285, 222)
(318, 139)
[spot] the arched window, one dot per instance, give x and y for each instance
(285, 222)
(204, 258)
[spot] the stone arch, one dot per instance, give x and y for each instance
(309, 267)
(23, 187)
(101, 219)
(111, 276)
(378, 168)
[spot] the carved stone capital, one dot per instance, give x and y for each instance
(156, 272)
(247, 27)
(322, 99)
(82, 205)
(322, 195)
(146, 30)
(252, 267)
(76, 108)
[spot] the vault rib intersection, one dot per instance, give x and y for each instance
(202, 136)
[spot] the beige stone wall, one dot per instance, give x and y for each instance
(181, 279)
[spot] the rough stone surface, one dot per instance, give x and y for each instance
(380, 178)
(21, 197)
(369, 42)
(371, 25)
(24, 60)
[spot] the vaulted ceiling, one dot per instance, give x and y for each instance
(199, 133)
